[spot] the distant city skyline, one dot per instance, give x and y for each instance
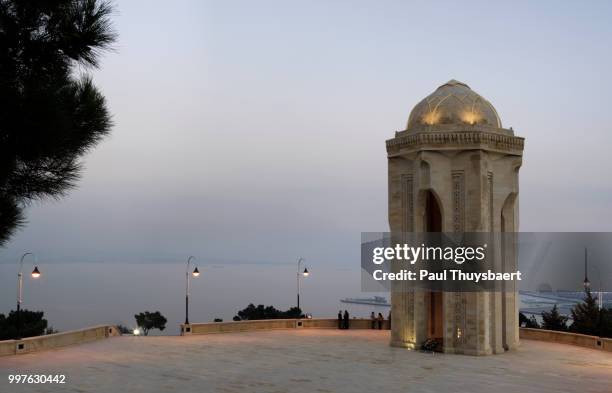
(255, 132)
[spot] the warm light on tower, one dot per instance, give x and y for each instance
(470, 117)
(196, 272)
(306, 272)
(431, 118)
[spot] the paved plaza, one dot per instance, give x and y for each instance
(306, 361)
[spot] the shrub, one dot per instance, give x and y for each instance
(552, 320)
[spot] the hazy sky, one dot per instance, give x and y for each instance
(254, 131)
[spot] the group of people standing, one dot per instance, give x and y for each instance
(343, 319)
(377, 321)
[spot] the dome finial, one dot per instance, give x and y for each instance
(455, 82)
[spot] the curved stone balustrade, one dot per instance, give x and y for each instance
(580, 340)
(272, 324)
(57, 340)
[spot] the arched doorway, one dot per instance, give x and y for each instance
(507, 229)
(433, 223)
(433, 213)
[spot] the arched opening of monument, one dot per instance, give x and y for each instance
(507, 226)
(433, 214)
(435, 330)
(433, 223)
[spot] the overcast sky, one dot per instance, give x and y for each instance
(255, 130)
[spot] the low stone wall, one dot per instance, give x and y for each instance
(355, 323)
(57, 340)
(273, 324)
(581, 340)
(7, 347)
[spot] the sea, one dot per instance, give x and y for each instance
(77, 295)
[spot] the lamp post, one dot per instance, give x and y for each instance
(587, 283)
(305, 273)
(35, 274)
(195, 273)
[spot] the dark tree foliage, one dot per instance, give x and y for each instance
(150, 320)
(606, 322)
(51, 330)
(530, 322)
(50, 111)
(267, 312)
(32, 324)
(552, 320)
(522, 319)
(123, 329)
(585, 316)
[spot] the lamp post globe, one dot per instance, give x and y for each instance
(300, 273)
(195, 273)
(35, 274)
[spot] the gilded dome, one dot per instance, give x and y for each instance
(453, 103)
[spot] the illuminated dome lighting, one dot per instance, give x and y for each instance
(453, 103)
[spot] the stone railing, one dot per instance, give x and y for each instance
(57, 340)
(273, 324)
(472, 137)
(581, 340)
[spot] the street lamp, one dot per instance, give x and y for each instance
(35, 274)
(587, 283)
(305, 273)
(195, 273)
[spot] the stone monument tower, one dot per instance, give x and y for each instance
(455, 169)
